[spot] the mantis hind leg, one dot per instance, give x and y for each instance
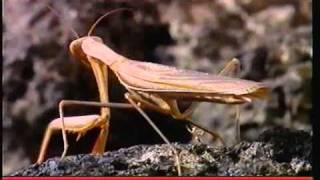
(234, 67)
(237, 122)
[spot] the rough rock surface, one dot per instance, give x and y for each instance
(278, 152)
(271, 38)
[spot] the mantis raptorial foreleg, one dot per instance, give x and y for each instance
(128, 96)
(76, 124)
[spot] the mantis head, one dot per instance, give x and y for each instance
(77, 51)
(75, 46)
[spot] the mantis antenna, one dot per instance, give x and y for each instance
(68, 25)
(105, 15)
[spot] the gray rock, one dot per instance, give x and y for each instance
(278, 152)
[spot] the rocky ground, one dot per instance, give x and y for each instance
(272, 40)
(277, 152)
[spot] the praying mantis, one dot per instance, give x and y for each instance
(149, 86)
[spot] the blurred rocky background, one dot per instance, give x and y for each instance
(272, 40)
